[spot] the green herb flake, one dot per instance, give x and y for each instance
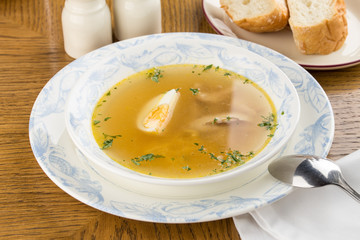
(108, 93)
(95, 122)
(109, 139)
(235, 156)
(150, 156)
(212, 156)
(207, 67)
(187, 168)
(111, 136)
(107, 143)
(135, 162)
(107, 118)
(194, 90)
(227, 74)
(201, 148)
(247, 81)
(155, 74)
(268, 122)
(146, 157)
(231, 158)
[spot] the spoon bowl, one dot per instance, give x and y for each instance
(306, 171)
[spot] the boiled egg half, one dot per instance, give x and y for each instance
(155, 115)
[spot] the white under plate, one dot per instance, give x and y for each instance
(282, 41)
(67, 168)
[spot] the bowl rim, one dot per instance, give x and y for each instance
(139, 177)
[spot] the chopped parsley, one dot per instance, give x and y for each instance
(201, 148)
(155, 74)
(146, 157)
(195, 90)
(187, 168)
(215, 120)
(107, 143)
(212, 156)
(111, 136)
(207, 67)
(247, 81)
(268, 122)
(234, 157)
(96, 122)
(109, 139)
(228, 158)
(135, 162)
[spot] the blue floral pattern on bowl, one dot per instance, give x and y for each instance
(70, 170)
(157, 50)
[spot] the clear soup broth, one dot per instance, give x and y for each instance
(213, 120)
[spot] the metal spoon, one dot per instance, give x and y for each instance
(307, 171)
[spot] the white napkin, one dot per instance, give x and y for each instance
(326, 213)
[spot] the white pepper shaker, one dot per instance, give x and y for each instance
(86, 26)
(133, 18)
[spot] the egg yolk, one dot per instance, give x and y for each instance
(157, 117)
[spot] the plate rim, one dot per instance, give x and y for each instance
(175, 220)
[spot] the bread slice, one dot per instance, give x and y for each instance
(257, 15)
(319, 27)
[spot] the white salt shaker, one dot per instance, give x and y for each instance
(133, 18)
(86, 26)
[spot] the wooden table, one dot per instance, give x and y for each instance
(31, 205)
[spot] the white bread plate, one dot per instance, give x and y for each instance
(348, 55)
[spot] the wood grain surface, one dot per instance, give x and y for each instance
(31, 205)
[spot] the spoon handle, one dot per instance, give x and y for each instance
(345, 186)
